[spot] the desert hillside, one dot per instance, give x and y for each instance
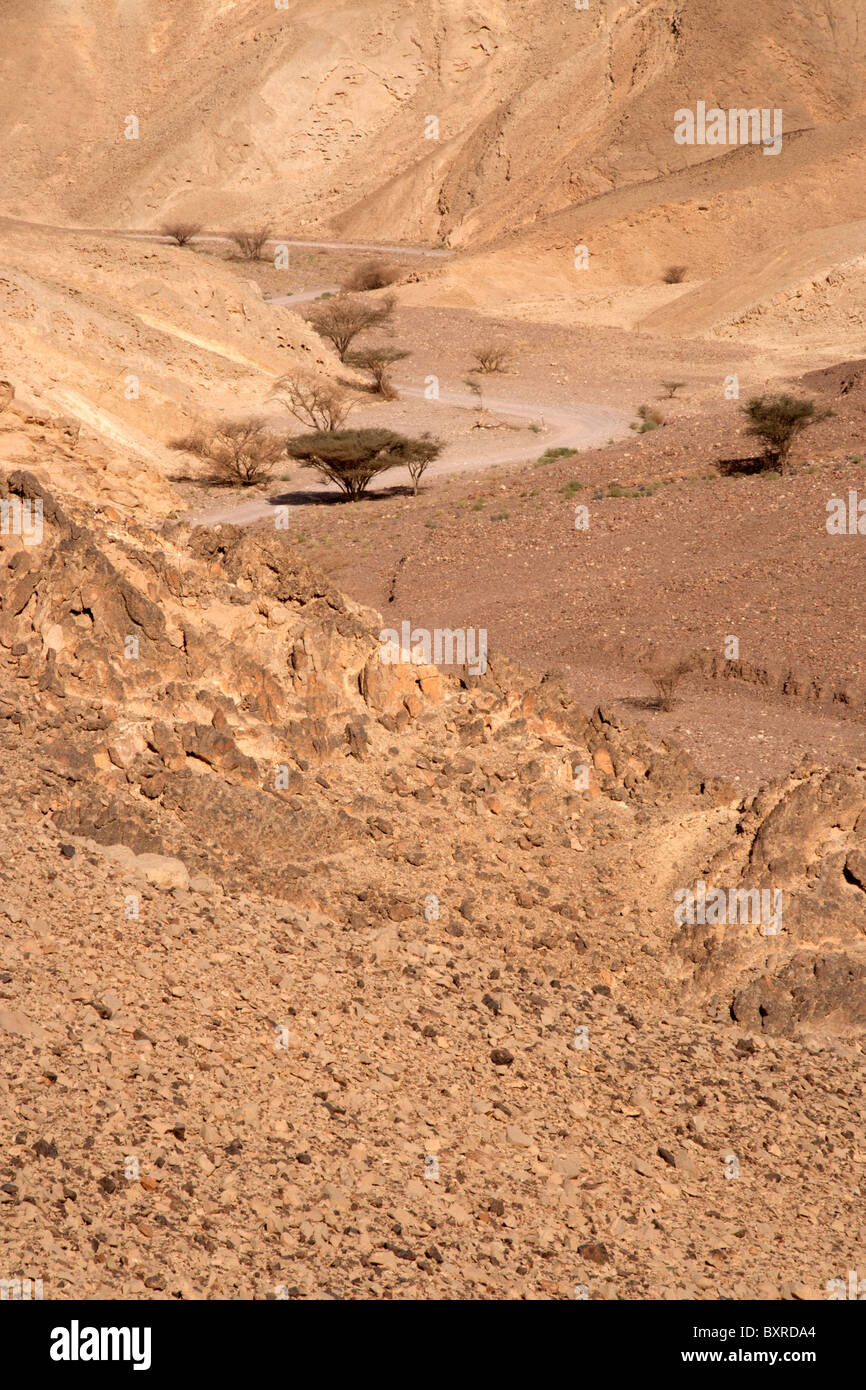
(432, 688)
(360, 981)
(316, 115)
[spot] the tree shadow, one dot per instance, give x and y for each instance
(732, 468)
(644, 704)
(304, 498)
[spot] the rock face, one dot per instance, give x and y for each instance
(804, 840)
(343, 97)
(217, 686)
(325, 977)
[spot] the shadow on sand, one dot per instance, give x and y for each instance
(304, 498)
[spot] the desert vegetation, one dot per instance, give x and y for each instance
(667, 677)
(320, 405)
(353, 458)
(342, 319)
(250, 244)
(492, 357)
(674, 274)
(779, 420)
(374, 274)
(181, 232)
(477, 389)
(238, 452)
(649, 418)
(378, 362)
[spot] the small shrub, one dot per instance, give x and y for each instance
(570, 488)
(667, 679)
(671, 387)
(641, 490)
(477, 389)
(251, 244)
(370, 275)
(675, 274)
(551, 455)
(180, 232)
(492, 357)
(239, 451)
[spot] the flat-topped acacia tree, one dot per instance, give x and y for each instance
(353, 458)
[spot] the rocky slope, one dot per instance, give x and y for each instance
(324, 977)
(135, 342)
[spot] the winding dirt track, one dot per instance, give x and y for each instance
(578, 427)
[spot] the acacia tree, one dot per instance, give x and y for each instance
(353, 458)
(342, 318)
(418, 454)
(320, 405)
(378, 362)
(779, 421)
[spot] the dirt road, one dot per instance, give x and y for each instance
(577, 427)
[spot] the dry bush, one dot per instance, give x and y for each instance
(370, 275)
(320, 405)
(180, 232)
(666, 679)
(650, 415)
(671, 388)
(675, 274)
(195, 442)
(378, 362)
(492, 357)
(251, 244)
(238, 451)
(341, 319)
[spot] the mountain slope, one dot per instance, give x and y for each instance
(318, 114)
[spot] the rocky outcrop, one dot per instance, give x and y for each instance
(802, 844)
